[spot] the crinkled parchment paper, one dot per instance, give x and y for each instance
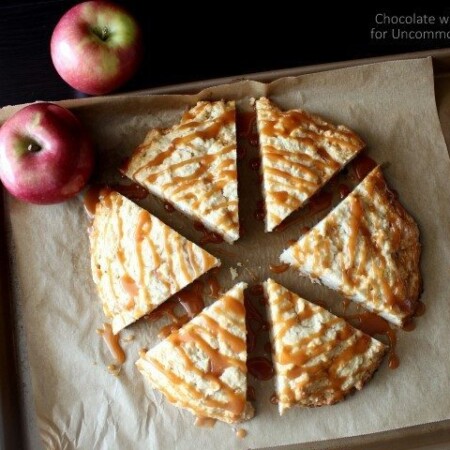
(80, 405)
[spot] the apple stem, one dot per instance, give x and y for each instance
(102, 34)
(33, 147)
(105, 33)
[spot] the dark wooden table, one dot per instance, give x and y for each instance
(182, 44)
(185, 44)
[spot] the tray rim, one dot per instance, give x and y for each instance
(270, 75)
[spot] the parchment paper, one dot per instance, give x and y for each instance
(80, 405)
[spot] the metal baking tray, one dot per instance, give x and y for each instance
(17, 425)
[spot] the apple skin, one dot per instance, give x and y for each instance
(45, 154)
(96, 47)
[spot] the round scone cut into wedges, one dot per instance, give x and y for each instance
(202, 366)
(137, 261)
(319, 358)
(300, 152)
(193, 166)
(368, 249)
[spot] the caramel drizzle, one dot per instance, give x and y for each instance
(118, 224)
(356, 213)
(261, 368)
(204, 422)
(311, 171)
(192, 333)
(235, 342)
(348, 344)
(234, 306)
(90, 200)
(372, 324)
(218, 361)
(113, 343)
(142, 234)
(361, 255)
(190, 264)
(129, 285)
(278, 268)
(187, 188)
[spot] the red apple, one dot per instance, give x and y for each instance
(45, 154)
(96, 47)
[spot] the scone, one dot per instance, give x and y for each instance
(300, 152)
(202, 366)
(193, 166)
(368, 249)
(137, 261)
(319, 358)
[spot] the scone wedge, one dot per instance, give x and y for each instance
(202, 366)
(319, 358)
(137, 261)
(193, 166)
(368, 249)
(300, 152)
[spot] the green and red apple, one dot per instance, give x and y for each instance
(46, 156)
(96, 47)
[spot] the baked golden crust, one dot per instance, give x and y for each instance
(367, 248)
(137, 261)
(193, 166)
(319, 358)
(202, 366)
(300, 152)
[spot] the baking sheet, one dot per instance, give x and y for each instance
(80, 405)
